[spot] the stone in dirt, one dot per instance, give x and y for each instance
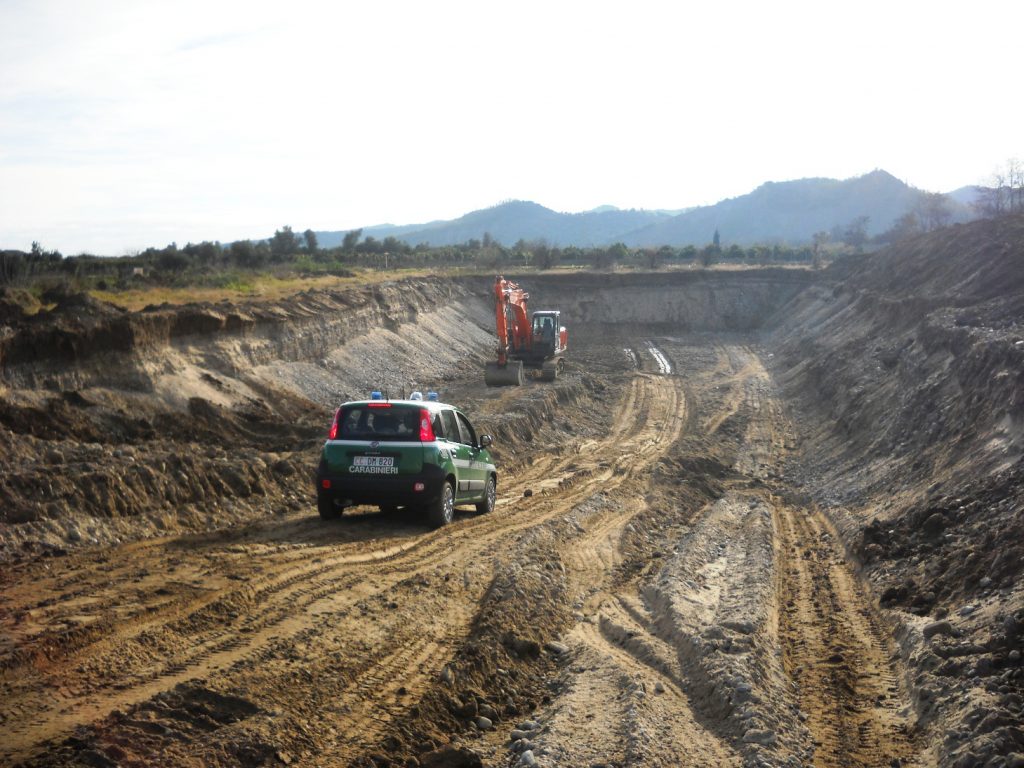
(449, 756)
(943, 627)
(758, 736)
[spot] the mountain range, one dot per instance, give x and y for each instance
(776, 212)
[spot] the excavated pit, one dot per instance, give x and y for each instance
(768, 517)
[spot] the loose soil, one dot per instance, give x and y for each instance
(767, 518)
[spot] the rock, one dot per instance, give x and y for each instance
(743, 627)
(529, 725)
(284, 757)
(1015, 760)
(984, 582)
(53, 456)
(1014, 655)
(521, 647)
(467, 710)
(284, 468)
(527, 494)
(447, 676)
(521, 745)
(934, 523)
(484, 723)
(556, 647)
(658, 687)
(759, 736)
(943, 627)
(449, 756)
(527, 759)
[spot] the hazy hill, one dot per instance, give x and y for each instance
(519, 219)
(787, 211)
(792, 211)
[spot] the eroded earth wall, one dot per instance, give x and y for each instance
(905, 372)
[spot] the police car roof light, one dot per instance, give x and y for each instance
(376, 395)
(432, 396)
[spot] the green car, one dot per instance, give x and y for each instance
(415, 453)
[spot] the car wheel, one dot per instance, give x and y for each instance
(490, 496)
(326, 507)
(442, 510)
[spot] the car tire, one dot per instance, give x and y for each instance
(490, 496)
(442, 509)
(326, 507)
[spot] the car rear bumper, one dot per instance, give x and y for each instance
(382, 490)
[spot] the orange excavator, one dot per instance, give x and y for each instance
(537, 342)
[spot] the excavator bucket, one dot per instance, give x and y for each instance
(509, 375)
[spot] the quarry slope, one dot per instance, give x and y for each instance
(768, 517)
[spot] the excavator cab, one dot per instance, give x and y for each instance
(547, 333)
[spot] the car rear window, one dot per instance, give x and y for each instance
(388, 423)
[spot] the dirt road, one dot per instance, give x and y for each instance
(648, 592)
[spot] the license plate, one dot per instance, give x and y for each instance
(374, 461)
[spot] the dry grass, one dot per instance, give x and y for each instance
(255, 287)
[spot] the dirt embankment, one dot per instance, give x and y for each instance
(116, 425)
(907, 371)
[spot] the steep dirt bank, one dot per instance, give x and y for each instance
(684, 301)
(907, 371)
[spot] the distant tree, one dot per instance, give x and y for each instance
(284, 242)
(370, 245)
(618, 253)
(688, 253)
(934, 211)
(709, 254)
(855, 234)
(350, 240)
(172, 260)
(311, 243)
(1004, 193)
(905, 226)
(245, 254)
(734, 253)
(819, 240)
(716, 240)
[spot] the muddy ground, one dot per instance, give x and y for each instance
(770, 517)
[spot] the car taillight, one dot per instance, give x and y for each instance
(334, 426)
(426, 428)
(378, 405)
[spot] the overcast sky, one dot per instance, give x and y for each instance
(131, 124)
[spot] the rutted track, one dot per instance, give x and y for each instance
(698, 631)
(254, 595)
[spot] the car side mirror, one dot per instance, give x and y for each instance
(485, 440)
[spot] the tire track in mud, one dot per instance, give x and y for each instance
(808, 644)
(834, 647)
(213, 634)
